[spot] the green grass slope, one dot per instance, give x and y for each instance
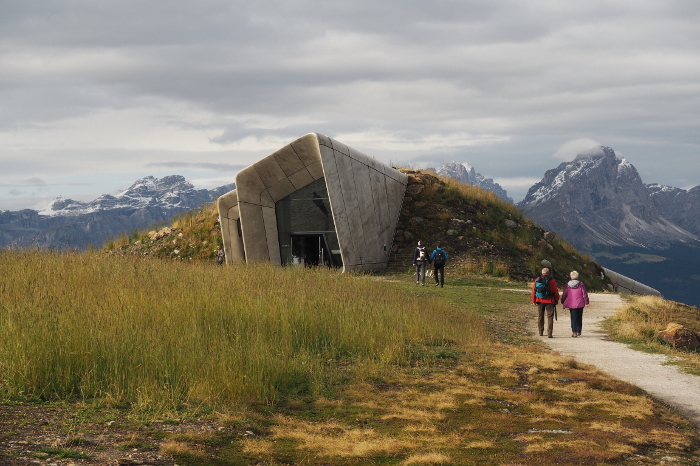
(481, 233)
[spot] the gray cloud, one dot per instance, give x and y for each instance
(227, 167)
(500, 84)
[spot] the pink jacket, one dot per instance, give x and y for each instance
(574, 296)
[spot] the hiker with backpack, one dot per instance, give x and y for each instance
(575, 298)
(438, 258)
(545, 295)
(420, 261)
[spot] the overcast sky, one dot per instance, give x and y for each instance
(95, 94)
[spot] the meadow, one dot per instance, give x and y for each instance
(159, 334)
(106, 359)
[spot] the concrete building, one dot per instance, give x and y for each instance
(315, 201)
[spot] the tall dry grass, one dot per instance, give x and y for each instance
(163, 334)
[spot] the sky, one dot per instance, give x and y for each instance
(94, 95)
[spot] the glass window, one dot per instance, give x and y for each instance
(306, 229)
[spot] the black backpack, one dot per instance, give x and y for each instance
(542, 290)
(439, 257)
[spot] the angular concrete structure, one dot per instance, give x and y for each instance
(316, 201)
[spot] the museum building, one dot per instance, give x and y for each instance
(314, 202)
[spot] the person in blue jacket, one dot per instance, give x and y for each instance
(438, 258)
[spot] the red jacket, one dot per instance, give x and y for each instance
(554, 299)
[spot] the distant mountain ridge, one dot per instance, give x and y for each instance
(69, 223)
(599, 199)
(467, 174)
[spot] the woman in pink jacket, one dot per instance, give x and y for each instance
(575, 298)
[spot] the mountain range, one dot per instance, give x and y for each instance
(599, 199)
(466, 174)
(67, 223)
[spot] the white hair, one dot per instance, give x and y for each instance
(545, 271)
(574, 275)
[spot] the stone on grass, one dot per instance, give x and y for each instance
(680, 337)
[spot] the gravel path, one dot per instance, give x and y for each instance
(647, 371)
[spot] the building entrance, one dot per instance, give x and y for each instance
(311, 251)
(306, 229)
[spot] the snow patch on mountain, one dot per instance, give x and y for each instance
(170, 192)
(467, 174)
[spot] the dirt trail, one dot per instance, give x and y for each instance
(647, 371)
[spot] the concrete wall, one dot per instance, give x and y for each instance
(626, 285)
(365, 197)
(228, 218)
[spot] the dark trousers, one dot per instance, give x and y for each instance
(576, 319)
(541, 308)
(440, 269)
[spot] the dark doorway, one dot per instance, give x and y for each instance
(311, 251)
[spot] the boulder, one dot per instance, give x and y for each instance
(414, 188)
(680, 337)
(549, 236)
(511, 223)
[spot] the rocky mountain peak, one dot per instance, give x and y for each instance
(467, 174)
(600, 199)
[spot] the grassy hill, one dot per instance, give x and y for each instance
(481, 233)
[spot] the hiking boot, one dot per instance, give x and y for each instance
(550, 336)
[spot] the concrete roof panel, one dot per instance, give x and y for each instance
(288, 160)
(324, 140)
(316, 169)
(269, 171)
(301, 178)
(340, 147)
(249, 185)
(306, 147)
(282, 188)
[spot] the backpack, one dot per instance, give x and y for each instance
(542, 290)
(422, 254)
(439, 257)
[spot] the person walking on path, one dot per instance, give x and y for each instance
(220, 255)
(420, 261)
(575, 298)
(438, 258)
(545, 295)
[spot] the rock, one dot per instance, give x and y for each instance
(680, 337)
(511, 224)
(451, 232)
(457, 220)
(162, 233)
(549, 236)
(414, 188)
(416, 220)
